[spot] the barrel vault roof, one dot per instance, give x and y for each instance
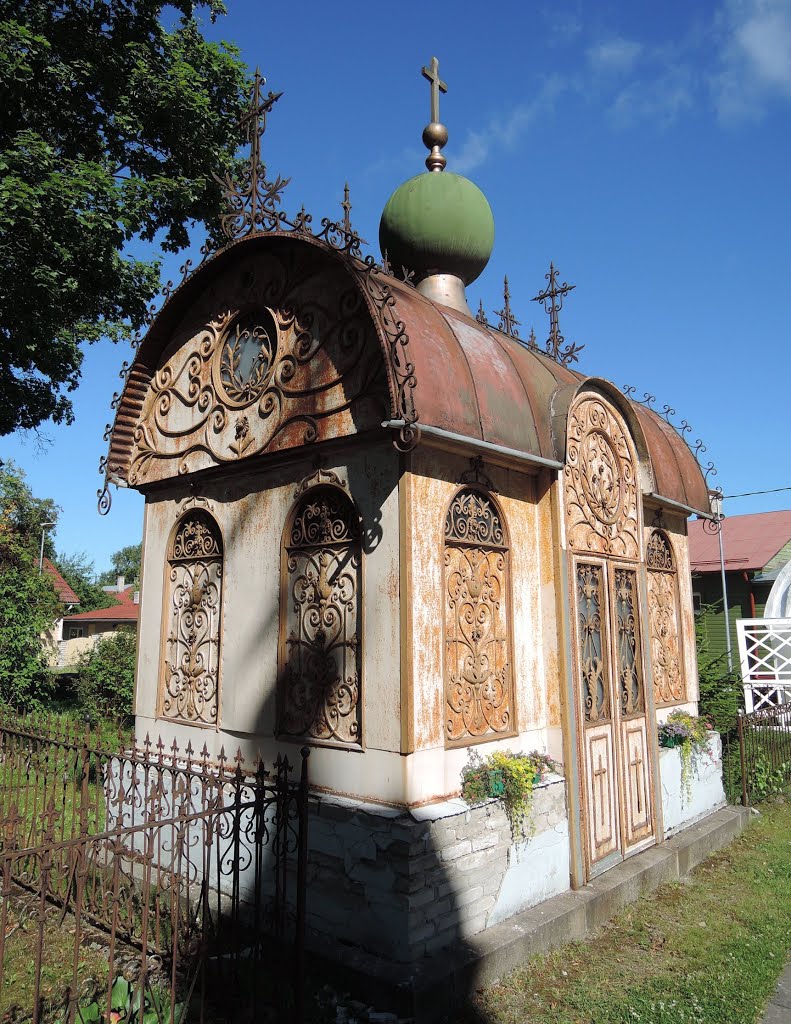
(470, 380)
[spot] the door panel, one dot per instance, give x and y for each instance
(596, 700)
(637, 785)
(602, 793)
(615, 751)
(637, 811)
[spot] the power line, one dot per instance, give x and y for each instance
(750, 494)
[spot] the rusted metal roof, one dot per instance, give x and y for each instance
(470, 380)
(749, 542)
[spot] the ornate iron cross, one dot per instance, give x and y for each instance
(508, 322)
(552, 300)
(437, 86)
(346, 206)
(251, 201)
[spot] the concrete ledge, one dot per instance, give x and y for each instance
(431, 987)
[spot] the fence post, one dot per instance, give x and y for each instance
(740, 727)
(85, 761)
(302, 887)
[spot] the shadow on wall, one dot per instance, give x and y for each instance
(404, 897)
(393, 897)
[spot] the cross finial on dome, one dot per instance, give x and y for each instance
(435, 134)
(437, 86)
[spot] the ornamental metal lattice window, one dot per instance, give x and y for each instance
(592, 643)
(664, 620)
(320, 621)
(479, 702)
(629, 664)
(246, 356)
(190, 688)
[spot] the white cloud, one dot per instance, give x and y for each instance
(505, 131)
(755, 57)
(561, 25)
(615, 55)
(660, 100)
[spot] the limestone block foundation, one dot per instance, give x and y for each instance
(401, 884)
(680, 809)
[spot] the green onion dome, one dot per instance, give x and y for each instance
(438, 223)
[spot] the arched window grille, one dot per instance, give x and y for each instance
(320, 658)
(664, 620)
(190, 687)
(479, 699)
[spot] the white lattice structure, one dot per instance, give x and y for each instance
(765, 657)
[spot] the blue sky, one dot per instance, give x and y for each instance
(645, 148)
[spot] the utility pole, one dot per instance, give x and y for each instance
(44, 528)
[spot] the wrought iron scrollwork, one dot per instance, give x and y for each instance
(191, 669)
(400, 370)
(592, 650)
(629, 664)
(321, 612)
(683, 429)
(246, 357)
(479, 699)
(551, 298)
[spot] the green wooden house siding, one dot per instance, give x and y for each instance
(774, 565)
(711, 620)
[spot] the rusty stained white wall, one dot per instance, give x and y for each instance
(432, 771)
(251, 509)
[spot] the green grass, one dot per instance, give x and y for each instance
(705, 951)
(19, 964)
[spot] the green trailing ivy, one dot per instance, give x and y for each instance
(509, 777)
(690, 734)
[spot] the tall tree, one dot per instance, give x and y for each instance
(125, 562)
(113, 125)
(28, 604)
(78, 571)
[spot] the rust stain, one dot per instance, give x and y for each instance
(551, 662)
(393, 584)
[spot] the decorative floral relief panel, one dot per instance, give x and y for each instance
(321, 615)
(189, 690)
(478, 678)
(663, 621)
(275, 367)
(600, 482)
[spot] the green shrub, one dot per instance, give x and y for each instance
(106, 677)
(721, 696)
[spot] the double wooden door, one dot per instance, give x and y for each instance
(614, 747)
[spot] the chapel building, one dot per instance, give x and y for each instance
(381, 527)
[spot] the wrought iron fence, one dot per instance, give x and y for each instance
(147, 882)
(757, 754)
